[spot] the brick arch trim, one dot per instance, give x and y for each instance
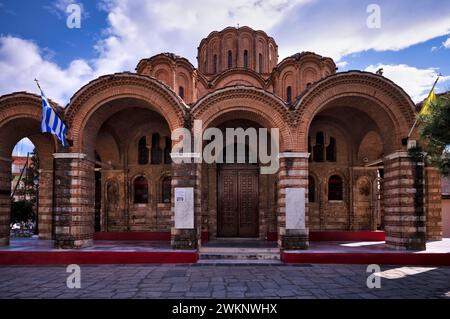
(391, 98)
(390, 95)
(265, 108)
(22, 105)
(123, 85)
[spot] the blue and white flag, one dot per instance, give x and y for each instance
(51, 123)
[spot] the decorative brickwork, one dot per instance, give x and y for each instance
(433, 203)
(404, 202)
(74, 201)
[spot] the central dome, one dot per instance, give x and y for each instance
(237, 48)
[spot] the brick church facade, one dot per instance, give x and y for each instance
(342, 141)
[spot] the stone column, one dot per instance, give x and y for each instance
(186, 227)
(433, 203)
(293, 230)
(404, 202)
(74, 200)
(45, 204)
(5, 200)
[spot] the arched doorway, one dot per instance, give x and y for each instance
(20, 117)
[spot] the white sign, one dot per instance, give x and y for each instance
(295, 208)
(184, 208)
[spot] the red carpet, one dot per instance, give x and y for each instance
(423, 259)
(95, 257)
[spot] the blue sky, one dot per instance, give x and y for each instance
(412, 44)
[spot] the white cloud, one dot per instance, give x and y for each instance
(416, 82)
(330, 28)
(141, 28)
(21, 61)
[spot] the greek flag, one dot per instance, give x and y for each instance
(51, 123)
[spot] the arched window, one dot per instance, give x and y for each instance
(245, 59)
(230, 59)
(289, 94)
(167, 151)
(331, 150)
(140, 186)
(215, 64)
(156, 150)
(166, 189)
(311, 189)
(335, 188)
(142, 151)
(181, 92)
(319, 147)
(260, 60)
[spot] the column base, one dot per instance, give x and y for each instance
(185, 239)
(295, 240)
(406, 243)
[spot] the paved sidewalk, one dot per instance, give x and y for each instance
(224, 281)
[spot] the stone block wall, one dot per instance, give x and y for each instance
(433, 203)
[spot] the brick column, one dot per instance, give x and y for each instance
(404, 202)
(5, 200)
(433, 203)
(45, 203)
(74, 200)
(293, 173)
(187, 175)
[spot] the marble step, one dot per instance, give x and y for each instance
(239, 256)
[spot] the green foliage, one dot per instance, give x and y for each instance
(435, 130)
(22, 211)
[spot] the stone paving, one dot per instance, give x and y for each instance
(224, 281)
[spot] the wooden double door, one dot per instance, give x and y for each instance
(238, 201)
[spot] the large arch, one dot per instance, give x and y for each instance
(388, 105)
(20, 116)
(152, 93)
(248, 103)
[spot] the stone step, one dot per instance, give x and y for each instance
(239, 250)
(239, 262)
(239, 256)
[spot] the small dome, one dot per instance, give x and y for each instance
(237, 48)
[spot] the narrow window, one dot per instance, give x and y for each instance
(245, 59)
(142, 151)
(156, 150)
(311, 189)
(167, 150)
(331, 150)
(230, 59)
(335, 188)
(140, 190)
(215, 64)
(181, 92)
(260, 63)
(319, 147)
(289, 94)
(166, 189)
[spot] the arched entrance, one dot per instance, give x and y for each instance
(357, 123)
(20, 117)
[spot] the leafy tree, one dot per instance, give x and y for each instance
(435, 129)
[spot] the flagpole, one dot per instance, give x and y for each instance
(417, 117)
